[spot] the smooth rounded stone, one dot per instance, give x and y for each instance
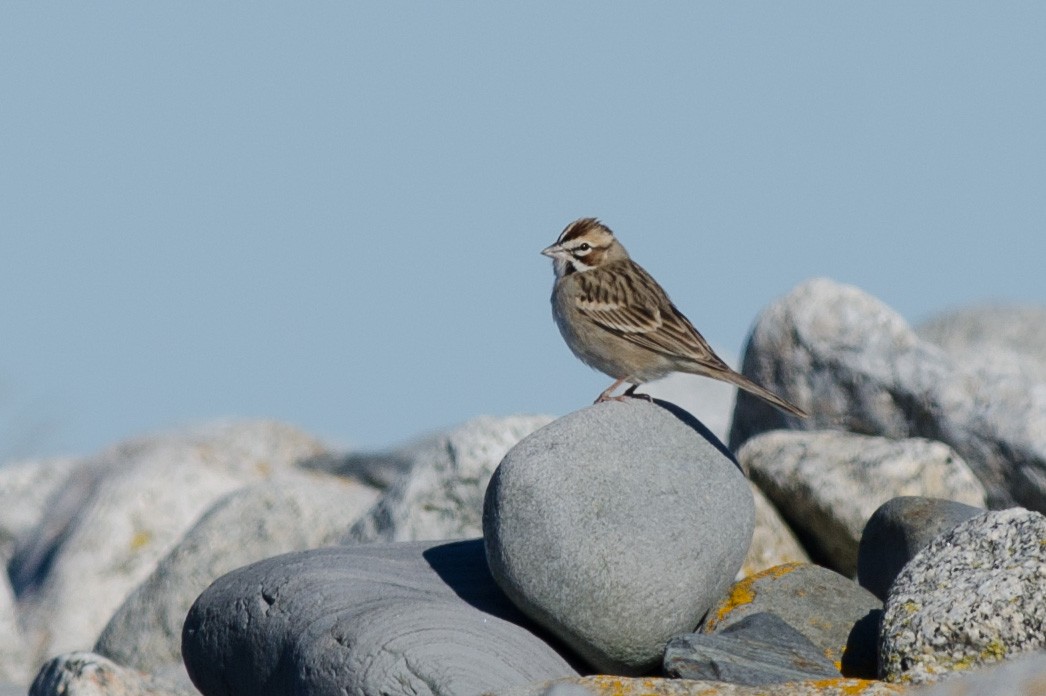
(761, 648)
(616, 527)
(773, 541)
(142, 495)
(898, 530)
(856, 365)
(1022, 676)
(439, 494)
(827, 484)
(838, 616)
(404, 618)
(1007, 336)
(604, 685)
(87, 674)
(975, 595)
(289, 514)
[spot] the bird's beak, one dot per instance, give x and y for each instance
(550, 251)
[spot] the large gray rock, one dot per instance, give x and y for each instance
(759, 649)
(14, 657)
(616, 527)
(856, 365)
(838, 616)
(1022, 676)
(1007, 337)
(828, 483)
(711, 401)
(438, 493)
(125, 509)
(898, 530)
(975, 595)
(87, 674)
(407, 618)
(266, 519)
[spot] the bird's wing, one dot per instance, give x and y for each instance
(638, 310)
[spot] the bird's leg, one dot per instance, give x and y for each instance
(605, 396)
(631, 391)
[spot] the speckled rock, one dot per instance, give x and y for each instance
(616, 527)
(87, 674)
(247, 525)
(828, 483)
(838, 616)
(761, 648)
(856, 365)
(439, 494)
(1022, 676)
(126, 508)
(975, 595)
(405, 618)
(622, 686)
(773, 541)
(898, 530)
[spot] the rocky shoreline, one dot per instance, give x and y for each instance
(893, 542)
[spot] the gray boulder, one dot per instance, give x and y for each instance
(975, 595)
(603, 685)
(87, 674)
(438, 492)
(407, 618)
(290, 514)
(828, 483)
(856, 365)
(836, 614)
(616, 527)
(898, 530)
(759, 649)
(1007, 337)
(126, 508)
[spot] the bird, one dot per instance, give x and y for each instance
(617, 319)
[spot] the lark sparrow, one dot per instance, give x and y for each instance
(617, 319)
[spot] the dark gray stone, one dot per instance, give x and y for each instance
(761, 648)
(838, 616)
(898, 530)
(975, 595)
(407, 618)
(617, 527)
(856, 365)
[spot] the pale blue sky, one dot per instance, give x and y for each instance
(330, 213)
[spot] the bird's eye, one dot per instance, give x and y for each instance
(584, 247)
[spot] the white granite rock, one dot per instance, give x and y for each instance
(827, 484)
(87, 674)
(133, 503)
(773, 541)
(291, 513)
(856, 365)
(1021, 676)
(439, 495)
(975, 595)
(1006, 337)
(616, 527)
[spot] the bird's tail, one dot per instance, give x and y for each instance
(765, 394)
